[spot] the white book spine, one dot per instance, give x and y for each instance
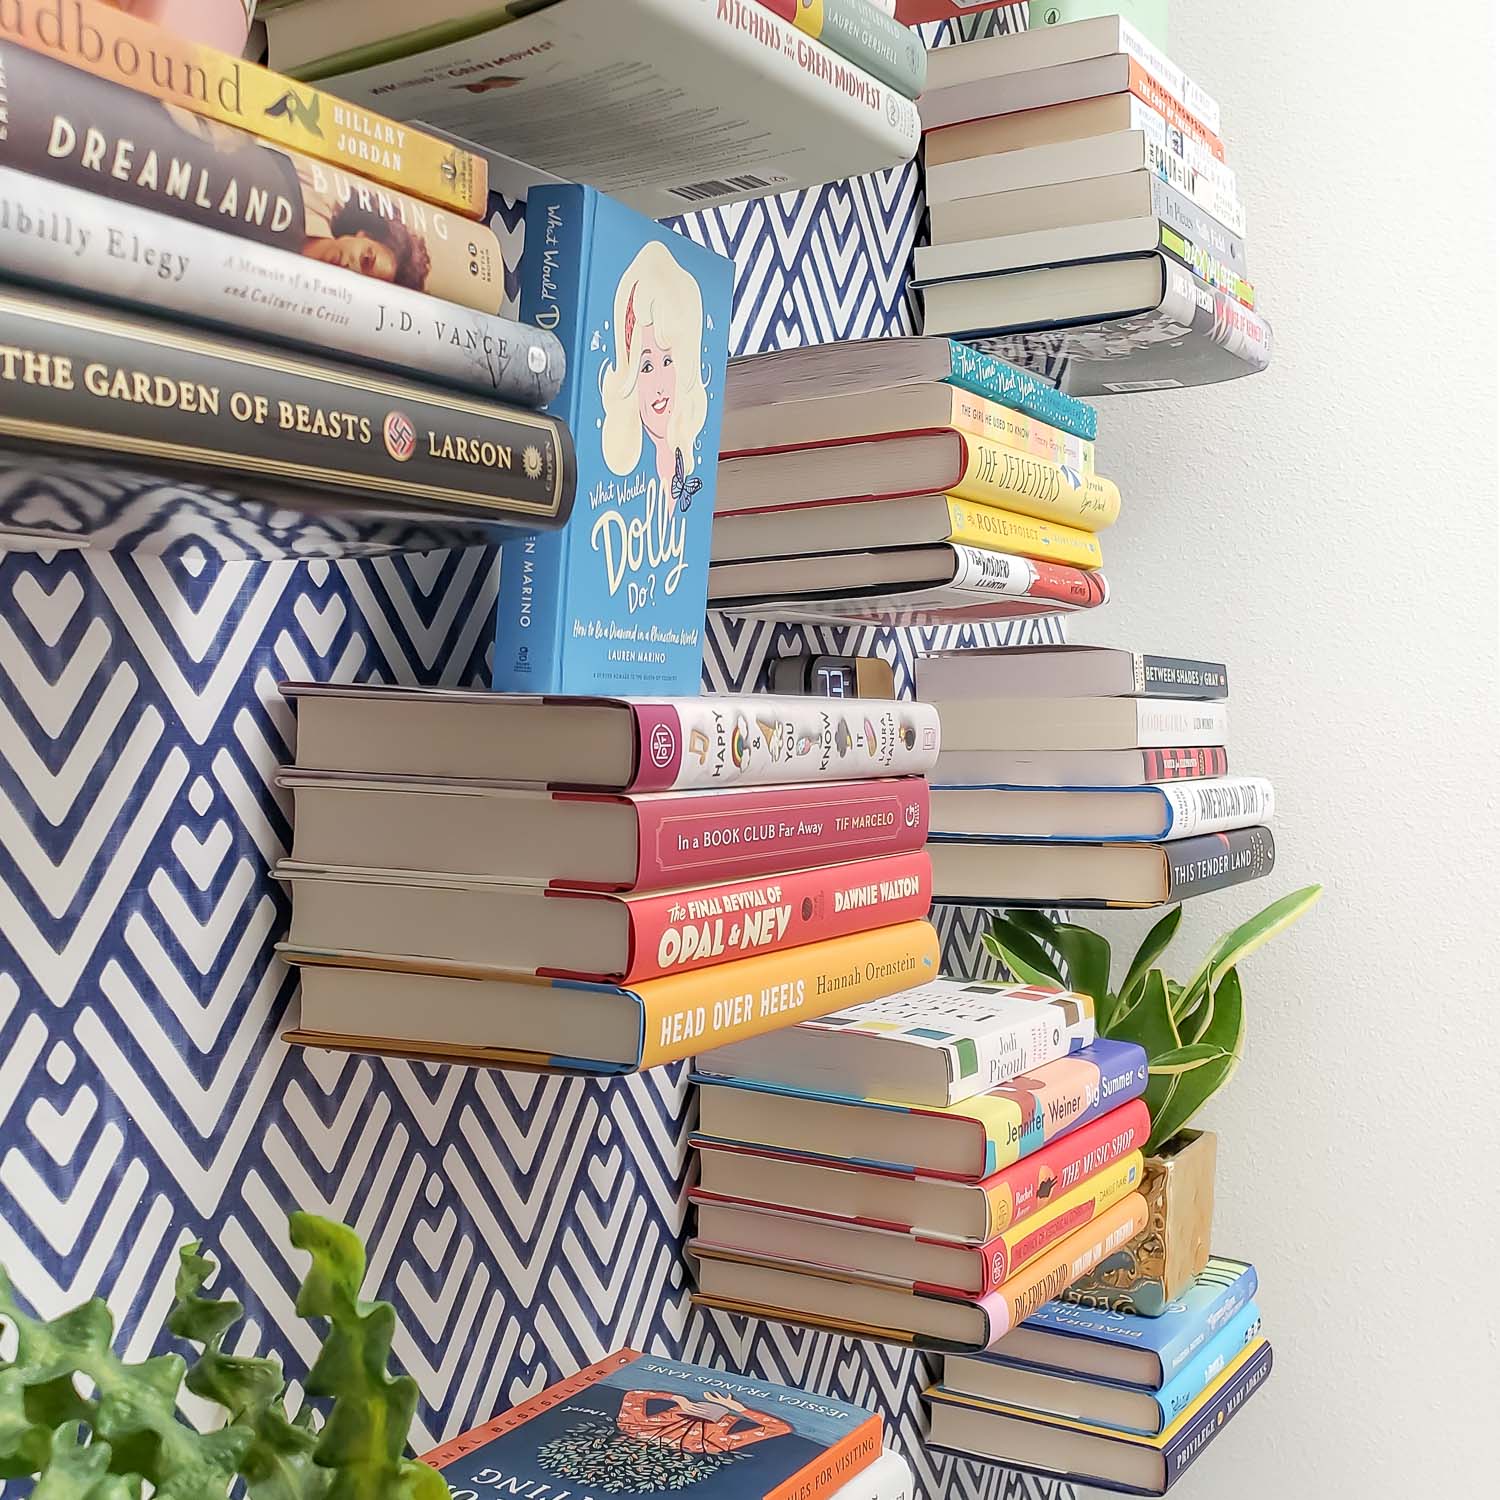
(76, 241)
(1182, 88)
(1180, 723)
(1191, 183)
(1195, 155)
(1218, 804)
(1040, 1034)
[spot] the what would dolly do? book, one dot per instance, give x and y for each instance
(616, 602)
(641, 1425)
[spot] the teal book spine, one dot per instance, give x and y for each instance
(986, 375)
(615, 603)
(874, 41)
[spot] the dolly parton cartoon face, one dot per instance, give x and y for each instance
(656, 385)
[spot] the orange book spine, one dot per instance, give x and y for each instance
(835, 1467)
(1172, 110)
(685, 1014)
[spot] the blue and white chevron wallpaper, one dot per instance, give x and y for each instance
(522, 1226)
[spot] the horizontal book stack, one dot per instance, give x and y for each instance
(927, 1169)
(638, 1424)
(667, 106)
(904, 482)
(1084, 219)
(1110, 1399)
(1088, 776)
(147, 182)
(600, 885)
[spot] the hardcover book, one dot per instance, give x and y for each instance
(1067, 672)
(404, 1006)
(595, 935)
(669, 105)
(609, 744)
(87, 132)
(110, 43)
(80, 243)
(94, 383)
(641, 1425)
(967, 1141)
(975, 718)
(1087, 815)
(857, 31)
(1149, 1353)
(1093, 768)
(1082, 1453)
(863, 1307)
(943, 584)
(615, 602)
(1142, 323)
(922, 1262)
(916, 1203)
(979, 872)
(601, 841)
(860, 366)
(947, 1041)
(1095, 1401)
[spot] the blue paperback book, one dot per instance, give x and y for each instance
(614, 603)
(1127, 1348)
(639, 1425)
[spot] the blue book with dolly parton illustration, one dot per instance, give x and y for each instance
(636, 1424)
(614, 603)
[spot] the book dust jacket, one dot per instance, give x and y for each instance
(634, 1424)
(615, 603)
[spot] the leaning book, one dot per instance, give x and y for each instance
(639, 1425)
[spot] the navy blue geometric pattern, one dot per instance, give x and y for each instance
(522, 1226)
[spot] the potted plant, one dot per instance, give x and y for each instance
(1193, 1032)
(128, 1432)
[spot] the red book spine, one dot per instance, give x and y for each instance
(1030, 1184)
(702, 838)
(686, 930)
(1187, 763)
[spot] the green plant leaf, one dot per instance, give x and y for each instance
(365, 1436)
(1087, 957)
(24, 1442)
(277, 1462)
(1198, 1071)
(79, 1470)
(1149, 1021)
(1022, 954)
(1153, 945)
(1247, 937)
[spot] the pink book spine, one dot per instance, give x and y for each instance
(695, 840)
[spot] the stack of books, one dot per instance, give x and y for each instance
(1105, 1398)
(667, 106)
(1084, 218)
(907, 481)
(600, 885)
(143, 169)
(927, 1169)
(1088, 776)
(638, 1424)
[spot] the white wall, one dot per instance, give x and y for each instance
(1268, 521)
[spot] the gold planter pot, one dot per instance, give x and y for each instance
(1161, 1262)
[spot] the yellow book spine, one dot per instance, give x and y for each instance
(996, 530)
(116, 45)
(685, 1014)
(1028, 1241)
(981, 417)
(997, 475)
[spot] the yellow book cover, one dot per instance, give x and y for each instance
(1016, 1248)
(995, 530)
(116, 45)
(998, 475)
(1015, 430)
